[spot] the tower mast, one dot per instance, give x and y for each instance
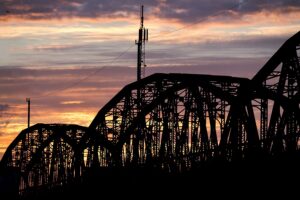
(142, 38)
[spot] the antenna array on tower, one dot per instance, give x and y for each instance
(141, 55)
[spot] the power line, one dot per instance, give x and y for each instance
(74, 84)
(84, 78)
(191, 24)
(122, 53)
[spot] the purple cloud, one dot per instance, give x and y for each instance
(4, 107)
(188, 11)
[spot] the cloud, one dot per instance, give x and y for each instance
(188, 11)
(193, 10)
(91, 87)
(35, 9)
(104, 54)
(3, 107)
(75, 94)
(57, 95)
(4, 122)
(71, 102)
(56, 47)
(3, 125)
(73, 71)
(256, 5)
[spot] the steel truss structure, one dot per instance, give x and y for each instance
(174, 122)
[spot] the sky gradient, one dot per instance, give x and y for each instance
(71, 57)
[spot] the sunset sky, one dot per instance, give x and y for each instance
(71, 56)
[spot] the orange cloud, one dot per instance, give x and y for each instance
(71, 102)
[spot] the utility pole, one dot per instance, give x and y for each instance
(28, 112)
(143, 37)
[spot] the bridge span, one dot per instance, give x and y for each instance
(171, 124)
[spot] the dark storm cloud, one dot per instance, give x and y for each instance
(189, 10)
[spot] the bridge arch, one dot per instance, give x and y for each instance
(279, 115)
(186, 118)
(47, 155)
